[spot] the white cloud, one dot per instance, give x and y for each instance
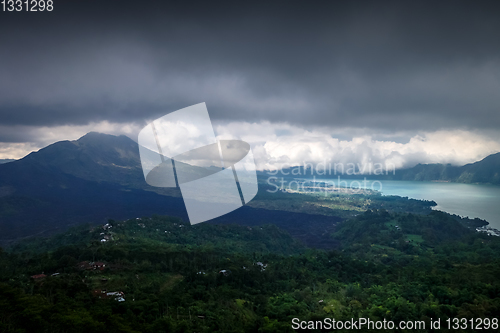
(278, 144)
(16, 150)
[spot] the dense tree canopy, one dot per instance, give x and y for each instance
(174, 277)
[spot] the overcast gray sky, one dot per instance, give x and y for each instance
(385, 73)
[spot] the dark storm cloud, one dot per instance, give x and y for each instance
(383, 65)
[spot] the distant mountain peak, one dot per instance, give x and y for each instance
(95, 156)
(95, 134)
(103, 138)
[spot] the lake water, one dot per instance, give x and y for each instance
(482, 201)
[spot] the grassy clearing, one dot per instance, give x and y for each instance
(414, 238)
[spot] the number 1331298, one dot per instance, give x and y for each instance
(27, 5)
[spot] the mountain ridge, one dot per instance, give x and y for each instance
(99, 177)
(92, 156)
(87, 180)
(485, 171)
(122, 156)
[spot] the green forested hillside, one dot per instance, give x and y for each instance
(166, 276)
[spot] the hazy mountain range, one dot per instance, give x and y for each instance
(69, 182)
(99, 177)
(485, 171)
(115, 159)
